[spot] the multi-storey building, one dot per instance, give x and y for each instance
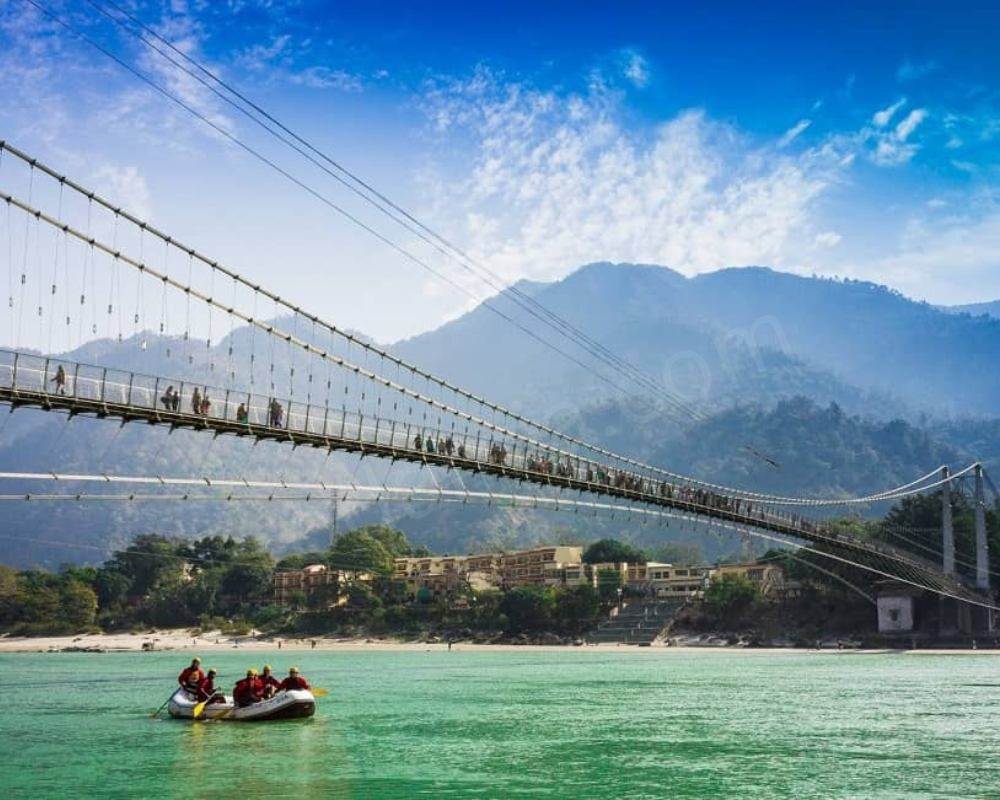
(533, 567)
(289, 583)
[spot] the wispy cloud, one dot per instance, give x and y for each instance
(882, 118)
(558, 180)
(279, 61)
(914, 70)
(793, 133)
(909, 123)
(325, 78)
(957, 256)
(635, 68)
(127, 185)
(892, 147)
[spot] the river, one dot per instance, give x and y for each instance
(575, 724)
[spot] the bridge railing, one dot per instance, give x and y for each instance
(191, 401)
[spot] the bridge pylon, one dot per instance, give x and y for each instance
(947, 526)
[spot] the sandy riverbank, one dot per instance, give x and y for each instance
(183, 640)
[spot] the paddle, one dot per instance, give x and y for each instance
(157, 712)
(319, 692)
(198, 709)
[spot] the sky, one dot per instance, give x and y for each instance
(851, 140)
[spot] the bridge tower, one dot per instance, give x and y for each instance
(947, 527)
(982, 548)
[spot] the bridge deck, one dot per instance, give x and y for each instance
(30, 380)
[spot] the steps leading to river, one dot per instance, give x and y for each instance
(639, 622)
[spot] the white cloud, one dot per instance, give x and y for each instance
(882, 118)
(892, 148)
(278, 60)
(635, 69)
(262, 56)
(955, 259)
(909, 124)
(793, 133)
(127, 186)
(828, 239)
(325, 78)
(556, 181)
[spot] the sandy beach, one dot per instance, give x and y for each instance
(183, 640)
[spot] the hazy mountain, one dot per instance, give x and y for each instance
(990, 309)
(736, 334)
(656, 319)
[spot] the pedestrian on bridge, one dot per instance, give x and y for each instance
(196, 401)
(59, 379)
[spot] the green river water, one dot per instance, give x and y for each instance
(575, 724)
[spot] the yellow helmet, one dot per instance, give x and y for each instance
(293, 669)
(196, 660)
(267, 667)
(251, 673)
(213, 671)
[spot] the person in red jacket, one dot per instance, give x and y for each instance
(293, 681)
(248, 690)
(269, 683)
(206, 689)
(191, 677)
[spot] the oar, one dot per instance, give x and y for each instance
(198, 709)
(157, 712)
(319, 692)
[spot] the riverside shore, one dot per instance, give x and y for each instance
(183, 640)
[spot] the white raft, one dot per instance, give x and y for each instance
(293, 704)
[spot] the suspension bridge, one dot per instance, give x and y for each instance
(80, 267)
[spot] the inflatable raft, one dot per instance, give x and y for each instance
(293, 704)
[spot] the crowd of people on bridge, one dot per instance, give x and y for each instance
(253, 688)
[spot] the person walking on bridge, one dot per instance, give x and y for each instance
(196, 401)
(59, 379)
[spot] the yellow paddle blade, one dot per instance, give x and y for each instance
(198, 709)
(320, 692)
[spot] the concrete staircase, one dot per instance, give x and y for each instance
(639, 622)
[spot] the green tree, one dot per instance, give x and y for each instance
(149, 562)
(609, 582)
(577, 607)
(8, 595)
(528, 608)
(77, 605)
(393, 540)
(360, 550)
(730, 597)
(247, 578)
(612, 551)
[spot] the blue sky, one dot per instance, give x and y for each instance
(839, 140)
